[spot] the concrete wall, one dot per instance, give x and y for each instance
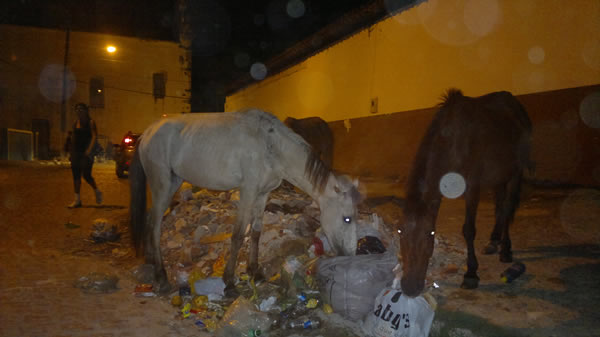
(31, 65)
(565, 146)
(383, 81)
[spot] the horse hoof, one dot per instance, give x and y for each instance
(491, 248)
(258, 277)
(164, 288)
(470, 283)
(231, 292)
(506, 258)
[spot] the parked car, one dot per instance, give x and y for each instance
(123, 153)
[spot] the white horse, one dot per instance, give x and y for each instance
(251, 150)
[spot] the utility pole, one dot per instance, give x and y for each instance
(185, 41)
(63, 105)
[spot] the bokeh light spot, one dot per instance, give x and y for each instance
(536, 55)
(50, 83)
(482, 16)
(444, 21)
(589, 110)
(452, 185)
(295, 8)
(258, 71)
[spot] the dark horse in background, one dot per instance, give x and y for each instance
(485, 140)
(317, 133)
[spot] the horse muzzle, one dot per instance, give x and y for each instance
(412, 287)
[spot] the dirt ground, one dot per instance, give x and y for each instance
(556, 234)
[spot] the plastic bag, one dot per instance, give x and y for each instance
(243, 319)
(213, 287)
(369, 245)
(350, 283)
(397, 315)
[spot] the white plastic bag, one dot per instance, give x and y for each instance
(350, 283)
(397, 315)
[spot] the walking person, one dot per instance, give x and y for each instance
(82, 158)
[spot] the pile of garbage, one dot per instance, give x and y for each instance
(306, 287)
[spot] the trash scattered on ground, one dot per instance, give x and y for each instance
(97, 283)
(242, 318)
(103, 231)
(369, 245)
(512, 272)
(144, 290)
(212, 287)
(305, 287)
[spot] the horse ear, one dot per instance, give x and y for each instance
(355, 182)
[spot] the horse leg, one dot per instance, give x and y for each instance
(509, 208)
(470, 279)
(492, 246)
(237, 237)
(163, 190)
(257, 216)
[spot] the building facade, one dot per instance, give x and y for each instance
(45, 72)
(380, 85)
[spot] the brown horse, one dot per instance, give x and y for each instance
(471, 143)
(317, 133)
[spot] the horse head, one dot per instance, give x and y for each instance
(417, 236)
(338, 204)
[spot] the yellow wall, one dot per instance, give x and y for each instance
(28, 55)
(409, 60)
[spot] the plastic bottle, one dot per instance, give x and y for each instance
(254, 333)
(295, 311)
(512, 272)
(311, 323)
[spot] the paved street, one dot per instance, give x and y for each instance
(45, 248)
(41, 258)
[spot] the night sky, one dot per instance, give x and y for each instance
(228, 36)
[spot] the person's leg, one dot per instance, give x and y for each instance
(76, 170)
(87, 175)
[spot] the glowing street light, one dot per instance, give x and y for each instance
(111, 49)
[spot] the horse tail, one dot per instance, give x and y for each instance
(514, 195)
(525, 141)
(137, 205)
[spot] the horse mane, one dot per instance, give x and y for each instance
(416, 182)
(449, 97)
(314, 168)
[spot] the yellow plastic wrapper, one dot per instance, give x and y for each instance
(193, 277)
(219, 266)
(200, 301)
(176, 301)
(214, 238)
(254, 290)
(327, 308)
(311, 282)
(186, 310)
(211, 325)
(312, 303)
(275, 277)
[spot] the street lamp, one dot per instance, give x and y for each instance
(111, 49)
